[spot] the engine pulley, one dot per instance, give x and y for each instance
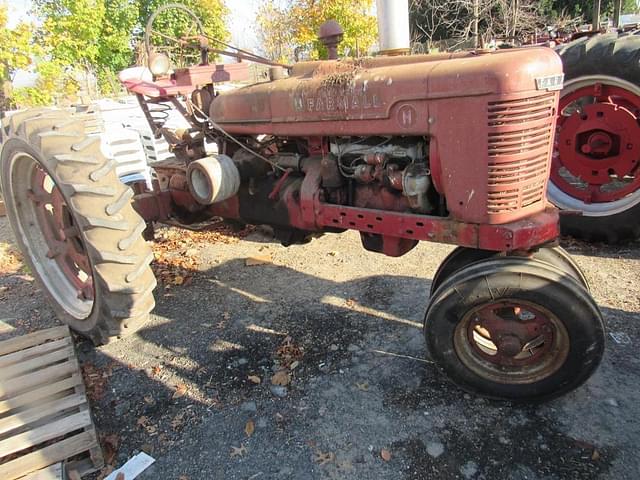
(213, 179)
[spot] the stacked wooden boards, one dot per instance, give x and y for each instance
(44, 414)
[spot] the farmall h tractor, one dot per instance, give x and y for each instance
(453, 149)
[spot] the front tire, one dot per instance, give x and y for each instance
(463, 257)
(514, 329)
(74, 222)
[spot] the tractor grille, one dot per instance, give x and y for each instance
(519, 146)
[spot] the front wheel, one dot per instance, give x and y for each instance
(515, 329)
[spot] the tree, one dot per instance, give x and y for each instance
(434, 20)
(99, 36)
(296, 24)
(16, 51)
(277, 42)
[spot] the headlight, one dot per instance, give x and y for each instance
(159, 64)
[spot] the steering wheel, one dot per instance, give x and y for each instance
(156, 42)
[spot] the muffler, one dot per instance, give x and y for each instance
(393, 27)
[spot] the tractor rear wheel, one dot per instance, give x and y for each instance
(515, 329)
(74, 222)
(463, 257)
(596, 163)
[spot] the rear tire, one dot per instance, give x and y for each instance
(614, 60)
(74, 222)
(517, 300)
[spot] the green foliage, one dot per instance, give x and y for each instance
(99, 36)
(16, 46)
(54, 83)
(297, 24)
(212, 14)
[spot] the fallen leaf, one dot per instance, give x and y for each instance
(178, 421)
(183, 477)
(155, 371)
(255, 379)
(147, 448)
(385, 454)
(595, 456)
(110, 445)
(294, 365)
(179, 280)
(258, 260)
(181, 390)
(249, 428)
(142, 421)
(238, 451)
(281, 377)
(322, 458)
(364, 386)
(120, 476)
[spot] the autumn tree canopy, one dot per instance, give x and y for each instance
(285, 28)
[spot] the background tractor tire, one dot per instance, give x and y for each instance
(612, 60)
(74, 222)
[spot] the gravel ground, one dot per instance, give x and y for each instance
(184, 388)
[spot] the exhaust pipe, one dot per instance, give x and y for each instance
(393, 27)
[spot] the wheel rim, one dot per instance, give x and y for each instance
(511, 342)
(51, 235)
(597, 152)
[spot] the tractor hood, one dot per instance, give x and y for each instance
(342, 97)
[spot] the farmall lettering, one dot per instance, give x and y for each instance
(338, 100)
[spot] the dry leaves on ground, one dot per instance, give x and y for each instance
(281, 377)
(10, 259)
(288, 353)
(181, 391)
(96, 379)
(177, 255)
(385, 454)
(249, 428)
(110, 444)
(254, 379)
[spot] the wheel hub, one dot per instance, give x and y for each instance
(597, 149)
(511, 341)
(500, 332)
(60, 233)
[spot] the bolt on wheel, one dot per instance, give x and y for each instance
(514, 328)
(53, 236)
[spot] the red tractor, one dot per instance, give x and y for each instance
(445, 148)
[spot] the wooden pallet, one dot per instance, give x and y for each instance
(44, 414)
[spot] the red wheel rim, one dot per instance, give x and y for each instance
(61, 233)
(511, 341)
(597, 149)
